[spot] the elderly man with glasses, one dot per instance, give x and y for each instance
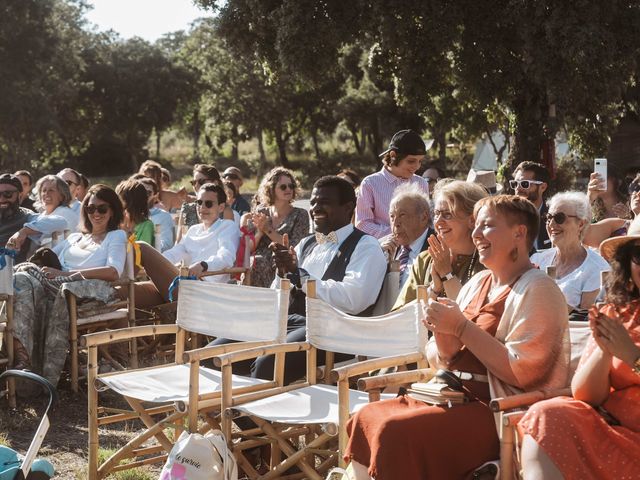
(531, 181)
(14, 218)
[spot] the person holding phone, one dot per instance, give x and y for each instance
(607, 195)
(596, 434)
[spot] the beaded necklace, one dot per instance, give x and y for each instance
(472, 265)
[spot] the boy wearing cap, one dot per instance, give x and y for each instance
(234, 175)
(400, 162)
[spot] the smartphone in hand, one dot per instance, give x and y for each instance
(600, 167)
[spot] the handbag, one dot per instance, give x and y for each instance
(200, 457)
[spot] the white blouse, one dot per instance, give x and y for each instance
(585, 278)
(79, 252)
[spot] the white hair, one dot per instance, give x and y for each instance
(579, 201)
(413, 192)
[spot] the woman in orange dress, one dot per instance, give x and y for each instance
(494, 330)
(596, 434)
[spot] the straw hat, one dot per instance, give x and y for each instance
(609, 246)
(486, 178)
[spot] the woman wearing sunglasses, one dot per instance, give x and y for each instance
(507, 330)
(272, 218)
(207, 246)
(98, 252)
(577, 267)
(202, 174)
(596, 434)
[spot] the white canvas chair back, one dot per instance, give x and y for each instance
(6, 277)
(395, 333)
(579, 333)
(236, 312)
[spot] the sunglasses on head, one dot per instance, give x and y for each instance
(8, 193)
(286, 186)
(635, 254)
(633, 188)
(523, 184)
(559, 217)
(231, 176)
(206, 203)
(101, 209)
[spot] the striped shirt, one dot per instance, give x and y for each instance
(374, 200)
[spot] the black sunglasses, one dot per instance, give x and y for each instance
(633, 188)
(559, 217)
(8, 193)
(635, 254)
(101, 209)
(207, 203)
(285, 186)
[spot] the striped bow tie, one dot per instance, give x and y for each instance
(330, 237)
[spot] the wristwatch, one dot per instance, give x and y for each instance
(204, 265)
(447, 277)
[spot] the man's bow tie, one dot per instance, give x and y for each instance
(330, 237)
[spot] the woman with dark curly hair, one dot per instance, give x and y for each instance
(596, 434)
(272, 218)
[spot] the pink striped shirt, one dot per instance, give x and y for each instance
(374, 199)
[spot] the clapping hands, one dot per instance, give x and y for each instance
(612, 337)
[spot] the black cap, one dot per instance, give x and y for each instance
(406, 142)
(9, 179)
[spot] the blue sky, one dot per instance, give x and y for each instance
(149, 19)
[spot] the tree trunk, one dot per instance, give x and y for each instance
(529, 132)
(376, 141)
(441, 141)
(196, 136)
(262, 165)
(158, 135)
(356, 140)
(282, 147)
(316, 147)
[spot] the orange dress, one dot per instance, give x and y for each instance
(406, 439)
(577, 438)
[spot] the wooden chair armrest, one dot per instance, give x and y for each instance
(359, 368)
(225, 271)
(101, 338)
(213, 350)
(378, 382)
(526, 399)
(511, 419)
(229, 358)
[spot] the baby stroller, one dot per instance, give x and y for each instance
(18, 467)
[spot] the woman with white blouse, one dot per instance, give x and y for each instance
(209, 245)
(98, 253)
(577, 268)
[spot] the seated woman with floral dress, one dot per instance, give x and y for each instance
(494, 332)
(596, 434)
(98, 253)
(272, 218)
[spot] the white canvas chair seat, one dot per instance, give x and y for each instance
(317, 404)
(169, 383)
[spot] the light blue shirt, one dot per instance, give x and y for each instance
(167, 227)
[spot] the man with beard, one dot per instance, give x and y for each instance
(14, 218)
(531, 181)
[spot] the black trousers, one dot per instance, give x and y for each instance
(295, 364)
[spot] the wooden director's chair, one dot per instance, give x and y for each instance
(160, 396)
(6, 324)
(314, 411)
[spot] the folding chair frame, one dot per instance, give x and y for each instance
(279, 438)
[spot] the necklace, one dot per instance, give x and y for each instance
(472, 264)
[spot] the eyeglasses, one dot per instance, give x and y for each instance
(70, 182)
(635, 254)
(559, 217)
(207, 203)
(634, 187)
(523, 184)
(231, 176)
(8, 193)
(445, 214)
(101, 209)
(285, 186)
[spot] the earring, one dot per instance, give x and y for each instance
(513, 254)
(630, 285)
